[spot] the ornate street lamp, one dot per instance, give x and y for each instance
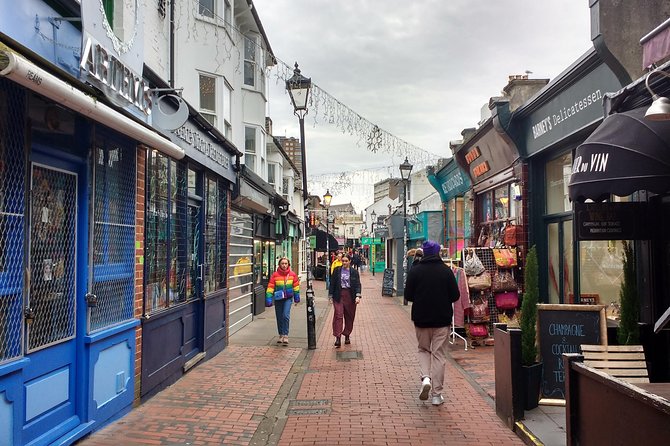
(326, 203)
(298, 87)
(405, 170)
(373, 249)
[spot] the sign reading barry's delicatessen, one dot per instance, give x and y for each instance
(571, 110)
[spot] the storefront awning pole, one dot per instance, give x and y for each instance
(24, 72)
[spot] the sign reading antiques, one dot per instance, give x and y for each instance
(612, 221)
(562, 329)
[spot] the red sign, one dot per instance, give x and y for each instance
(472, 155)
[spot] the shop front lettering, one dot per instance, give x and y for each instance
(114, 78)
(202, 145)
(472, 155)
(548, 123)
(452, 183)
(596, 163)
(480, 169)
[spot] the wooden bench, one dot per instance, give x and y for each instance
(625, 362)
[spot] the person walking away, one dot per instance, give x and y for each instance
(283, 290)
(432, 288)
(356, 260)
(344, 294)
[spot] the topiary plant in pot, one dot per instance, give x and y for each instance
(531, 368)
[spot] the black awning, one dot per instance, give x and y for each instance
(321, 240)
(625, 154)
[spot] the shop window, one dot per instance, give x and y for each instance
(601, 270)
(215, 235)
(457, 224)
(165, 239)
(557, 179)
(113, 243)
(499, 208)
(12, 219)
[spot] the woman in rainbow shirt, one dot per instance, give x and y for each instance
(283, 289)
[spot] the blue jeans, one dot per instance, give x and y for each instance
(283, 313)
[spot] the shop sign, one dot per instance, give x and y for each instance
(573, 109)
(117, 81)
(480, 169)
(203, 149)
(487, 154)
(472, 155)
(612, 221)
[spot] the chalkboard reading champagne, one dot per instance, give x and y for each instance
(562, 329)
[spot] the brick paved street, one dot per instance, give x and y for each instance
(365, 393)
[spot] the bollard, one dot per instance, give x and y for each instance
(311, 319)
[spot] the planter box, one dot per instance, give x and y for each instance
(508, 385)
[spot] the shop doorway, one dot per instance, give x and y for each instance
(560, 261)
(51, 385)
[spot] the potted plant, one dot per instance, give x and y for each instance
(629, 329)
(531, 368)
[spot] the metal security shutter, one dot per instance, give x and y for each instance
(240, 262)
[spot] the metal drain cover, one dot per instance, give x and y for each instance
(349, 355)
(308, 407)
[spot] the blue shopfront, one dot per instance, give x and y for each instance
(68, 258)
(453, 184)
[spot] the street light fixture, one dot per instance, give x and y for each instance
(298, 87)
(326, 203)
(373, 249)
(405, 170)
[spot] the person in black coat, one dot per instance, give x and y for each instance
(344, 293)
(432, 288)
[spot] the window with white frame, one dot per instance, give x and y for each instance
(250, 148)
(250, 60)
(272, 174)
(227, 110)
(206, 8)
(208, 98)
(227, 13)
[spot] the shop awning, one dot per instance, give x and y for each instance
(625, 154)
(321, 240)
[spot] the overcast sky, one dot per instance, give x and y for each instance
(419, 69)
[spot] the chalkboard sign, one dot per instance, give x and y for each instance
(562, 329)
(387, 282)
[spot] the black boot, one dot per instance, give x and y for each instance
(347, 340)
(338, 343)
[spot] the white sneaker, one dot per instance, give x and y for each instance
(437, 400)
(425, 389)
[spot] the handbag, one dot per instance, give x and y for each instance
(511, 237)
(508, 300)
(480, 310)
(478, 330)
(472, 265)
(481, 282)
(503, 280)
(505, 257)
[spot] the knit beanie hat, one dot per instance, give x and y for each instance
(430, 248)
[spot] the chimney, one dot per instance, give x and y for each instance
(520, 89)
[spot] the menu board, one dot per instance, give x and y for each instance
(562, 329)
(387, 282)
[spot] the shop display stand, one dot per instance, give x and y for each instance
(453, 335)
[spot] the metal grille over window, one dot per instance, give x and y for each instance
(240, 287)
(12, 210)
(113, 272)
(53, 219)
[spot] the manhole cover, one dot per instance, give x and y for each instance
(348, 355)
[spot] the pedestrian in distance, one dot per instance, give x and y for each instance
(337, 261)
(356, 260)
(432, 288)
(344, 293)
(283, 290)
(418, 255)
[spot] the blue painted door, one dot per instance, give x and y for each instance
(51, 304)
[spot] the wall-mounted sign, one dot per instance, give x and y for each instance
(472, 155)
(204, 149)
(480, 169)
(613, 221)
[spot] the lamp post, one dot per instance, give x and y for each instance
(405, 170)
(326, 202)
(373, 248)
(298, 87)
